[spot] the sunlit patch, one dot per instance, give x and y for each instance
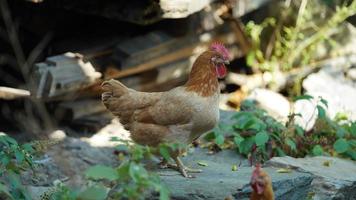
(104, 136)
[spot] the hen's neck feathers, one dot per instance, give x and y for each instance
(202, 78)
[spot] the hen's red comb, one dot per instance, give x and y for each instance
(220, 48)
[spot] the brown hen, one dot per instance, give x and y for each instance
(261, 185)
(179, 115)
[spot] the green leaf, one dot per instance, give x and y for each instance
(202, 163)
(210, 136)
(303, 97)
(246, 145)
(351, 154)
(261, 138)
(94, 193)
(317, 150)
(341, 145)
(19, 156)
(164, 151)
(323, 101)
(321, 111)
(284, 170)
(5, 160)
(352, 143)
(11, 140)
(219, 140)
(28, 148)
(280, 152)
(340, 132)
(353, 129)
(123, 170)
(101, 172)
(291, 144)
(137, 172)
(340, 116)
(164, 193)
(5, 190)
(242, 120)
(238, 139)
(299, 130)
(250, 59)
(137, 152)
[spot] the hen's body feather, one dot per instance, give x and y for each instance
(153, 118)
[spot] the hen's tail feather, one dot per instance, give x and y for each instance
(113, 88)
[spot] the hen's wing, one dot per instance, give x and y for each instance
(150, 117)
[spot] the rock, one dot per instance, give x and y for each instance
(36, 191)
(57, 135)
(274, 103)
(331, 84)
(218, 181)
(68, 160)
(351, 73)
(181, 8)
(336, 181)
(308, 111)
(226, 117)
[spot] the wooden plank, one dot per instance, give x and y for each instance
(13, 93)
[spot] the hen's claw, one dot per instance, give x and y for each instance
(179, 166)
(183, 169)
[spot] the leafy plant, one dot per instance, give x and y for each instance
(291, 39)
(14, 158)
(131, 179)
(258, 136)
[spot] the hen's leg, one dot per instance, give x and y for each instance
(183, 169)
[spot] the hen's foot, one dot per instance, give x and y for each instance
(179, 166)
(183, 169)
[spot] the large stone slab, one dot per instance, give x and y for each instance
(218, 181)
(335, 178)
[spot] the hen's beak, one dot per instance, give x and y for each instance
(226, 62)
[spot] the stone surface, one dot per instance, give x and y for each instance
(68, 160)
(333, 182)
(218, 181)
(274, 103)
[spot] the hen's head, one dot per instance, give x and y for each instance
(259, 180)
(220, 58)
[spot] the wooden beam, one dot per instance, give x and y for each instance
(13, 93)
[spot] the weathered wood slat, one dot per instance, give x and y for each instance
(13, 93)
(62, 74)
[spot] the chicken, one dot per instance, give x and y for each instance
(179, 115)
(261, 185)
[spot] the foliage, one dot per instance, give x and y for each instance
(14, 158)
(130, 180)
(293, 37)
(257, 135)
